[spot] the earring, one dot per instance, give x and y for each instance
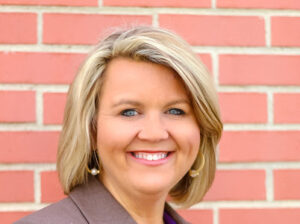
(194, 173)
(95, 170)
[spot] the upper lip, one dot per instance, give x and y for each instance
(150, 151)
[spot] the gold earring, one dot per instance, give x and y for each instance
(95, 170)
(194, 173)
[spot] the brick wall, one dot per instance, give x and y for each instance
(252, 49)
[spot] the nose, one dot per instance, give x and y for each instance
(153, 129)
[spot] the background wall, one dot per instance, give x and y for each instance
(252, 49)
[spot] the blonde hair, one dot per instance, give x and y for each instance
(78, 136)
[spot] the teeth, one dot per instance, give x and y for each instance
(150, 156)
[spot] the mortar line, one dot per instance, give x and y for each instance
(269, 184)
(215, 215)
(37, 187)
(39, 28)
(155, 20)
(39, 108)
(213, 4)
(100, 3)
(215, 67)
(270, 108)
(148, 10)
(268, 30)
(36, 87)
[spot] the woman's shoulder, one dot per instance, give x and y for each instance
(64, 211)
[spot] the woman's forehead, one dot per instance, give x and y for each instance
(129, 78)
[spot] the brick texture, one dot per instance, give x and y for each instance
(17, 106)
(54, 105)
(259, 69)
(18, 28)
(259, 4)
(207, 61)
(286, 184)
(51, 2)
(251, 47)
(285, 31)
(243, 107)
(230, 30)
(260, 216)
(234, 185)
(49, 68)
(251, 146)
(286, 108)
(160, 3)
(51, 189)
(28, 146)
(60, 29)
(10, 217)
(16, 186)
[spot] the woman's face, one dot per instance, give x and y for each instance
(147, 137)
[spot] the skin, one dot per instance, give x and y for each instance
(144, 107)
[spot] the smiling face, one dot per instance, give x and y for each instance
(147, 134)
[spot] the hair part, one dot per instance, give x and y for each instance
(79, 133)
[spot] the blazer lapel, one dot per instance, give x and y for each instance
(98, 205)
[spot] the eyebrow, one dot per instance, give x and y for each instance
(138, 104)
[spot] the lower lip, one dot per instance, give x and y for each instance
(152, 162)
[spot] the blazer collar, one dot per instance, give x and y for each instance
(98, 205)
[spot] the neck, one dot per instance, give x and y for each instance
(143, 208)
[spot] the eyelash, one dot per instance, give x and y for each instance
(177, 112)
(123, 113)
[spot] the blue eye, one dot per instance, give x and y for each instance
(129, 112)
(176, 111)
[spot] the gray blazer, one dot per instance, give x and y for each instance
(90, 203)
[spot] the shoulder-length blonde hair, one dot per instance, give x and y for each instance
(78, 136)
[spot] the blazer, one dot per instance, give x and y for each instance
(90, 203)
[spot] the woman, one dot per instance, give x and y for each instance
(141, 125)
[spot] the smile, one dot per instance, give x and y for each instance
(150, 156)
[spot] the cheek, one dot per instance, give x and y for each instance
(113, 134)
(189, 135)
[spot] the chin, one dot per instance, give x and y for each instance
(153, 185)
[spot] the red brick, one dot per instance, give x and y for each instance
(264, 4)
(259, 69)
(11, 181)
(286, 108)
(48, 68)
(17, 106)
(54, 105)
(10, 217)
(18, 28)
(260, 216)
(28, 146)
(235, 185)
(160, 3)
(50, 187)
(60, 29)
(252, 146)
(197, 216)
(285, 31)
(286, 184)
(51, 2)
(207, 61)
(243, 107)
(217, 30)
